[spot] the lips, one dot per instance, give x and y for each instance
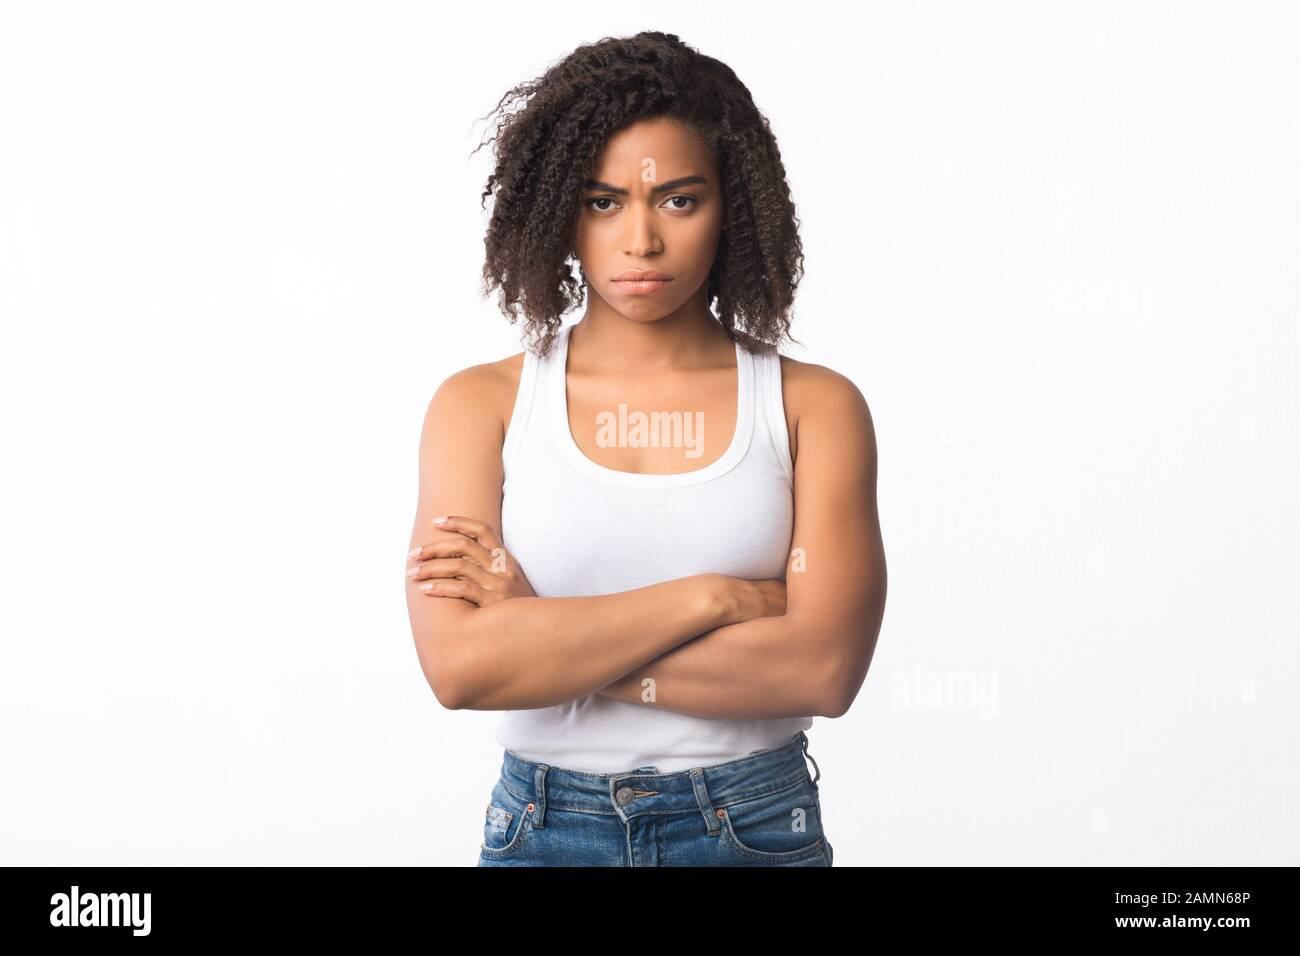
(641, 286)
(642, 275)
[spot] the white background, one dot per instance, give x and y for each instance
(1056, 245)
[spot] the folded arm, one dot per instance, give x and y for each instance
(528, 651)
(677, 644)
(812, 660)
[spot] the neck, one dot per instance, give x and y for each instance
(685, 339)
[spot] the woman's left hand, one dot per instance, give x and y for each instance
(468, 562)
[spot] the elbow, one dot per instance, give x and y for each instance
(444, 671)
(829, 703)
(834, 698)
(826, 697)
(446, 695)
(840, 678)
(443, 683)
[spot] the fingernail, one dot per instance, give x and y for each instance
(412, 572)
(441, 519)
(426, 586)
(413, 552)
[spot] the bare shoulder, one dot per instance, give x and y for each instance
(821, 401)
(480, 395)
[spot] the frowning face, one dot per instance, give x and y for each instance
(650, 221)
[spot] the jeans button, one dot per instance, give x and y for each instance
(624, 795)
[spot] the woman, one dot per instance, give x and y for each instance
(605, 520)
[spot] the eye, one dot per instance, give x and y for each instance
(691, 202)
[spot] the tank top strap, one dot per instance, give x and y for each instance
(525, 399)
(770, 407)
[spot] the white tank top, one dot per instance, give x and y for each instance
(579, 528)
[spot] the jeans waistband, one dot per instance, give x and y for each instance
(635, 792)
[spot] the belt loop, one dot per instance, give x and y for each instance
(539, 788)
(702, 798)
(810, 757)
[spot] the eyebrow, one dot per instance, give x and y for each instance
(661, 188)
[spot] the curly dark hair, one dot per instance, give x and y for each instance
(546, 152)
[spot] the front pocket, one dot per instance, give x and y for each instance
(504, 824)
(496, 829)
(778, 827)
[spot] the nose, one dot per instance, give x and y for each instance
(641, 238)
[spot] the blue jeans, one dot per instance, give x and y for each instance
(758, 810)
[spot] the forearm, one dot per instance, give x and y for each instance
(532, 652)
(761, 668)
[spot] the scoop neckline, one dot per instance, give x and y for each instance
(740, 438)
